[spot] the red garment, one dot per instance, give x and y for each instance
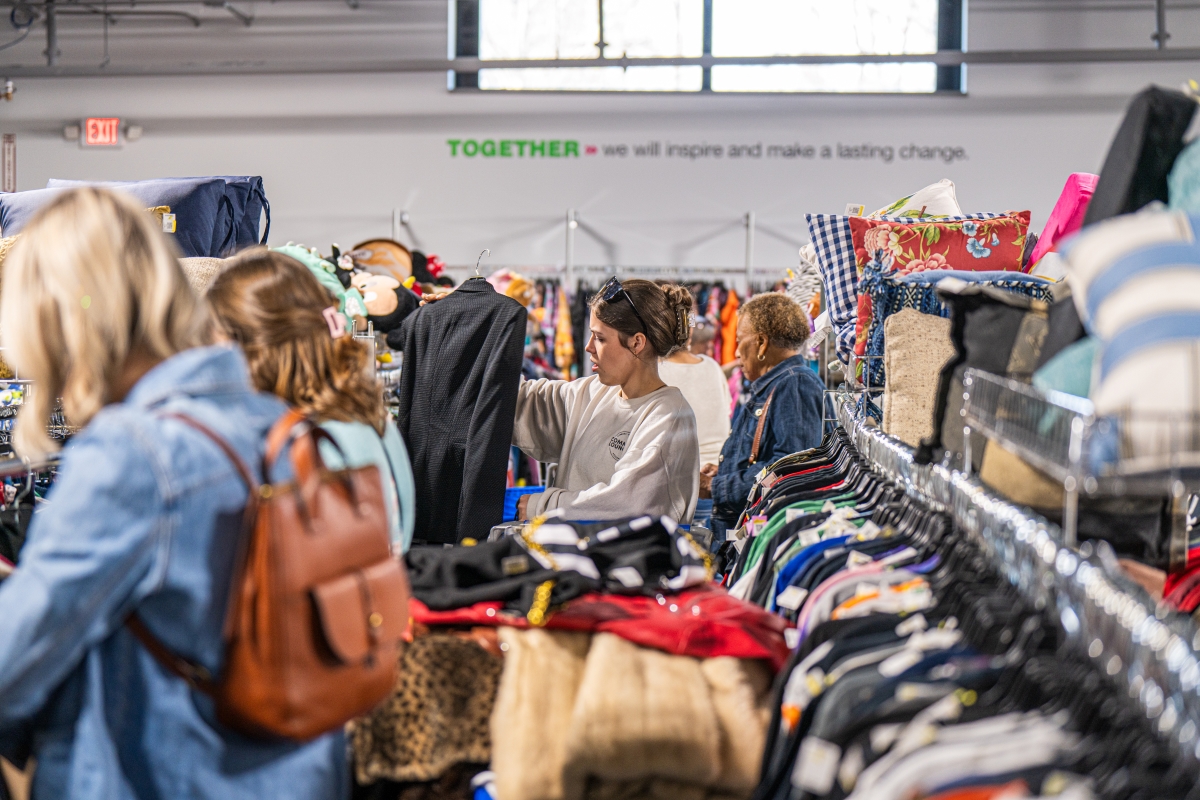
(1015, 788)
(1178, 585)
(1182, 590)
(702, 623)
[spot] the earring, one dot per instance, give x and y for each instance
(762, 356)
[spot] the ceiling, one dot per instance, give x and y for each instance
(223, 33)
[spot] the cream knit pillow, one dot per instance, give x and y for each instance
(916, 347)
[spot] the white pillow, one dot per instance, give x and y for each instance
(936, 199)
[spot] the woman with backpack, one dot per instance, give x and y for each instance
(143, 523)
(272, 306)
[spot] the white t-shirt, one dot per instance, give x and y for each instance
(707, 391)
(616, 457)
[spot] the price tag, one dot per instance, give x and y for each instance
(791, 598)
(168, 223)
(816, 766)
(793, 514)
(857, 559)
(809, 538)
(854, 210)
(913, 624)
(894, 665)
(791, 637)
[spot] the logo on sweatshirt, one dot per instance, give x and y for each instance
(616, 445)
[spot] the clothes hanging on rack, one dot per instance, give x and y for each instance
(918, 669)
(457, 398)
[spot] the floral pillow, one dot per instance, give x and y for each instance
(973, 245)
(903, 248)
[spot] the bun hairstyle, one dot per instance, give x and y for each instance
(666, 309)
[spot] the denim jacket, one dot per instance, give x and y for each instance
(145, 514)
(794, 423)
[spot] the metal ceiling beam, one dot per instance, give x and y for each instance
(311, 67)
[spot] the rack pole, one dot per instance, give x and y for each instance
(572, 224)
(749, 223)
(1070, 526)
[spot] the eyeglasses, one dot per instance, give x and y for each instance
(609, 292)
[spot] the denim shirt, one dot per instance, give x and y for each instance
(145, 514)
(794, 423)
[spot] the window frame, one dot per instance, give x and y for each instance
(463, 19)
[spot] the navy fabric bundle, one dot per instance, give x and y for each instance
(235, 215)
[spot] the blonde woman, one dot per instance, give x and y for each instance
(144, 517)
(272, 306)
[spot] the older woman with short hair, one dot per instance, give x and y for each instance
(784, 408)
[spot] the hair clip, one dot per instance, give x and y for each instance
(336, 322)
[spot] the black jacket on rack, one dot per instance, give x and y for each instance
(458, 400)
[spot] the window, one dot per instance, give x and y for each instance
(787, 28)
(559, 30)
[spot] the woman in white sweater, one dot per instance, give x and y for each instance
(625, 442)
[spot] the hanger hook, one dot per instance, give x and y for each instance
(486, 252)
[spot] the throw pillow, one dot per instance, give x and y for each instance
(916, 348)
(834, 243)
(884, 295)
(935, 200)
(1136, 282)
(1068, 213)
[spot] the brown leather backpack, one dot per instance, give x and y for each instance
(319, 605)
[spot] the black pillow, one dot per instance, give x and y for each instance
(998, 332)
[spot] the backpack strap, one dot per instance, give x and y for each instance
(193, 674)
(758, 430)
(196, 675)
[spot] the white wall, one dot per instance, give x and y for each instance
(338, 153)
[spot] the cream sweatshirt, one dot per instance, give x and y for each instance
(616, 457)
(706, 389)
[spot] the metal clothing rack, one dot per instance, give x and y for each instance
(734, 275)
(1148, 651)
(1061, 435)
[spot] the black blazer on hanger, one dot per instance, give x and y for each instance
(458, 400)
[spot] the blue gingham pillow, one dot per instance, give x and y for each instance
(830, 234)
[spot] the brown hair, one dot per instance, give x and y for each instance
(273, 307)
(665, 309)
(779, 318)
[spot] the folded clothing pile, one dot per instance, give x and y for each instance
(580, 660)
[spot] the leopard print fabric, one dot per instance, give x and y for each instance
(437, 716)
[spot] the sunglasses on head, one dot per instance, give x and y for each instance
(609, 292)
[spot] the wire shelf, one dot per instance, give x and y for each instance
(1062, 435)
(1045, 429)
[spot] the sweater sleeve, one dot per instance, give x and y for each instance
(659, 474)
(541, 424)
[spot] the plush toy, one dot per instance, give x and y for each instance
(388, 302)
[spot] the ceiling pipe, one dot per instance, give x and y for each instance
(946, 58)
(123, 12)
(52, 51)
(1160, 35)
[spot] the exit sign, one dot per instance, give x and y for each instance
(102, 132)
